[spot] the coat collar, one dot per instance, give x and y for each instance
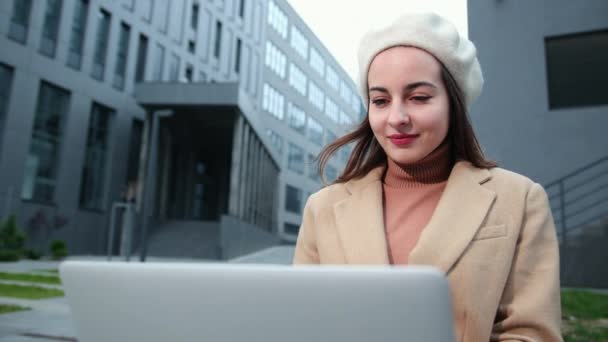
(457, 217)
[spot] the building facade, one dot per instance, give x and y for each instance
(543, 113)
(75, 110)
(544, 103)
(307, 100)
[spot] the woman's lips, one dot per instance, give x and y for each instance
(403, 139)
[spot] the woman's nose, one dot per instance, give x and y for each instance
(398, 115)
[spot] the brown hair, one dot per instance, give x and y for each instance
(368, 154)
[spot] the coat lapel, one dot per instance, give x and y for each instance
(360, 222)
(457, 217)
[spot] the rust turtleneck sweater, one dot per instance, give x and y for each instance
(411, 193)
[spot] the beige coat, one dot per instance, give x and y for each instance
(492, 233)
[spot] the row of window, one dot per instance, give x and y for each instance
(295, 163)
(294, 196)
(297, 79)
(273, 102)
(42, 163)
(176, 9)
(275, 59)
(20, 23)
(277, 19)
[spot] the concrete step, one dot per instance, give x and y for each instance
(185, 239)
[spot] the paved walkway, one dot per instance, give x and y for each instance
(47, 319)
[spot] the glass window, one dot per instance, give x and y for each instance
(79, 23)
(159, 62)
(276, 140)
(291, 228)
(122, 56)
(275, 59)
(20, 20)
(237, 59)
(94, 171)
(576, 69)
(242, 9)
(331, 110)
(218, 39)
(273, 102)
(142, 53)
(315, 95)
(345, 91)
(317, 62)
(297, 79)
(189, 73)
(332, 78)
(299, 42)
(277, 19)
(50, 27)
(6, 80)
(315, 131)
(194, 16)
(313, 168)
(293, 199)
(296, 118)
(101, 44)
(41, 165)
(174, 68)
(295, 158)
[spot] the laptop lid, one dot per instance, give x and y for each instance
(152, 302)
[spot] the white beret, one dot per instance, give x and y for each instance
(435, 35)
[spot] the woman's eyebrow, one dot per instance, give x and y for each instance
(380, 89)
(415, 85)
(408, 87)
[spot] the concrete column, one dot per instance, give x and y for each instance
(235, 168)
(256, 181)
(263, 188)
(243, 173)
(249, 179)
(149, 189)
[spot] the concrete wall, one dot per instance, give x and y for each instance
(512, 117)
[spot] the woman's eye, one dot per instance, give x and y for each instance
(379, 102)
(420, 98)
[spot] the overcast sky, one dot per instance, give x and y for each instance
(340, 24)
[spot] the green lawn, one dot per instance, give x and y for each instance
(28, 292)
(585, 316)
(32, 278)
(6, 308)
(50, 270)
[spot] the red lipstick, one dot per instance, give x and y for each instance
(402, 139)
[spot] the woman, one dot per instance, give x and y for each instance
(418, 190)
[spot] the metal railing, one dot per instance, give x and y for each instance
(122, 221)
(579, 199)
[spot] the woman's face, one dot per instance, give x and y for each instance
(409, 105)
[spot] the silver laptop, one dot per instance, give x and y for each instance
(117, 301)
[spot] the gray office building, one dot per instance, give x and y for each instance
(201, 117)
(544, 113)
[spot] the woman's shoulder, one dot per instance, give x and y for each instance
(329, 194)
(510, 181)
